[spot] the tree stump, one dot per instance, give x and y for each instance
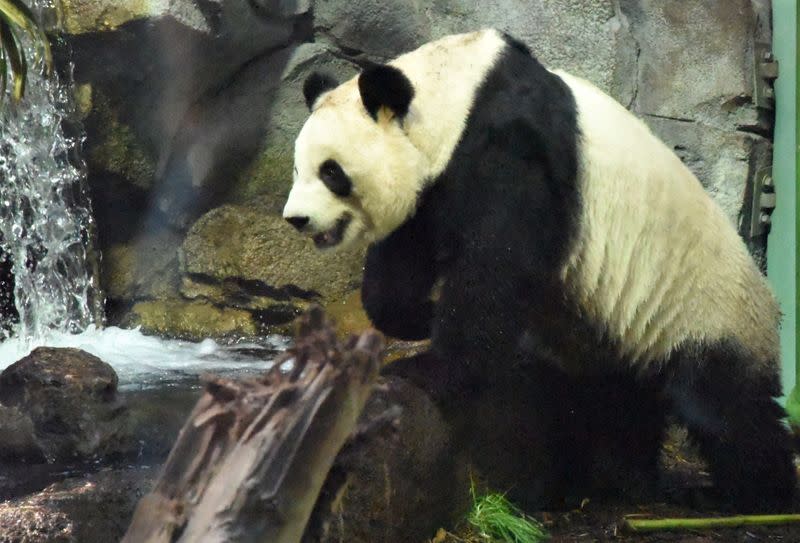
(249, 463)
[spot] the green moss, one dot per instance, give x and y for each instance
(191, 320)
(83, 99)
(143, 268)
(82, 16)
(269, 173)
(116, 148)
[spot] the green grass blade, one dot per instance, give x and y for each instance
(498, 520)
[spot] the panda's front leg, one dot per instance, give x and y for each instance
(478, 321)
(399, 273)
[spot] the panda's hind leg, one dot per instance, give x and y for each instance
(730, 410)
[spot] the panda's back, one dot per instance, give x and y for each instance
(655, 261)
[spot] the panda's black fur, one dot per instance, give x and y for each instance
(493, 227)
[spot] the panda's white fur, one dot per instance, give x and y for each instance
(657, 261)
(644, 222)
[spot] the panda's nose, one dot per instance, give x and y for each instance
(297, 222)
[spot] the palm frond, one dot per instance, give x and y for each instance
(16, 60)
(15, 16)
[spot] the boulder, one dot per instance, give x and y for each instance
(70, 397)
(81, 16)
(191, 320)
(95, 508)
(181, 97)
(250, 257)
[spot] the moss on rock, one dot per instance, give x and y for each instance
(271, 171)
(191, 320)
(82, 16)
(255, 248)
(115, 148)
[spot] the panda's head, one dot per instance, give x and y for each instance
(356, 173)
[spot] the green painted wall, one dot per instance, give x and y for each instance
(782, 255)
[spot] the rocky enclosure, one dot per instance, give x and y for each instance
(191, 108)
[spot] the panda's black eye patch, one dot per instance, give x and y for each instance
(335, 179)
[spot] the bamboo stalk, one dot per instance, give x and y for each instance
(638, 525)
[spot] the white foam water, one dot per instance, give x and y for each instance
(145, 361)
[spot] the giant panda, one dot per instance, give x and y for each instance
(555, 226)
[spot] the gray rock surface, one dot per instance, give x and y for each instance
(95, 508)
(270, 173)
(195, 96)
(192, 116)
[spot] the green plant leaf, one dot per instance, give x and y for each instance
(14, 14)
(16, 59)
(3, 69)
(18, 14)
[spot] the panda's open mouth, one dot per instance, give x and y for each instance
(333, 236)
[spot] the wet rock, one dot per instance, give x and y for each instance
(192, 320)
(254, 250)
(91, 509)
(115, 148)
(19, 437)
(8, 311)
(219, 133)
(192, 81)
(70, 398)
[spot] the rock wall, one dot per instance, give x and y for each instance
(191, 108)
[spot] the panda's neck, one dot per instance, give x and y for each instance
(446, 75)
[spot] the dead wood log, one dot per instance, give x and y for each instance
(250, 461)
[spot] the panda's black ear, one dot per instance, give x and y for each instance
(385, 86)
(317, 83)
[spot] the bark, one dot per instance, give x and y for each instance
(250, 461)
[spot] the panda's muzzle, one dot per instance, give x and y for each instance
(333, 236)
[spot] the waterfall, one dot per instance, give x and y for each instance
(45, 212)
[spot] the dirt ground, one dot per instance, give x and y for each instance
(685, 480)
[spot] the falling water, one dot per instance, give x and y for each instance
(45, 227)
(45, 214)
